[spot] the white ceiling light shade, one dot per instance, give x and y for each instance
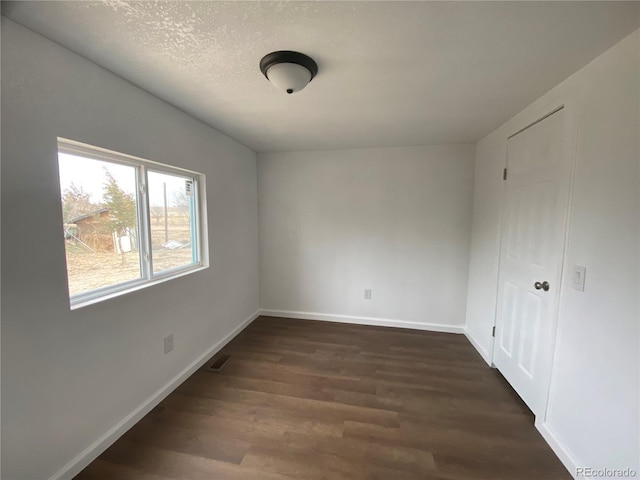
(289, 77)
(288, 71)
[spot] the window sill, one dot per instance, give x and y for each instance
(132, 287)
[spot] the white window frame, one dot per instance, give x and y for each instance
(147, 277)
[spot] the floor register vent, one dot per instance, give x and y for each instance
(218, 363)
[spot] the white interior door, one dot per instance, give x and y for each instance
(532, 248)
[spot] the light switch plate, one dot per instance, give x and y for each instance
(577, 278)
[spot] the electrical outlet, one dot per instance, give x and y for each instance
(168, 343)
(367, 294)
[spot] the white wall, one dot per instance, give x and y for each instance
(593, 416)
(70, 376)
(396, 220)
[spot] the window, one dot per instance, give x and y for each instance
(128, 222)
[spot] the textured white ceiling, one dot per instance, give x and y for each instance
(390, 73)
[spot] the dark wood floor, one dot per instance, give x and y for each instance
(315, 400)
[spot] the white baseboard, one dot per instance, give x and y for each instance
(486, 356)
(380, 322)
(563, 454)
(89, 454)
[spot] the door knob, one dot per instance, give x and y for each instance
(542, 286)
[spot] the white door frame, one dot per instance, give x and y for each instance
(536, 112)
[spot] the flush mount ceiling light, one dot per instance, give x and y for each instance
(288, 71)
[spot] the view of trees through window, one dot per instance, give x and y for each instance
(100, 223)
(102, 220)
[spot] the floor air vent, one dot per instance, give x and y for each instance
(218, 363)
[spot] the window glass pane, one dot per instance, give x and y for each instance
(172, 214)
(100, 222)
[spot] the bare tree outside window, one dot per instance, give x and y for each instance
(76, 202)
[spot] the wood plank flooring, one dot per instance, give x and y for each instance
(315, 400)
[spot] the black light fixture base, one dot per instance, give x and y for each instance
(288, 56)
